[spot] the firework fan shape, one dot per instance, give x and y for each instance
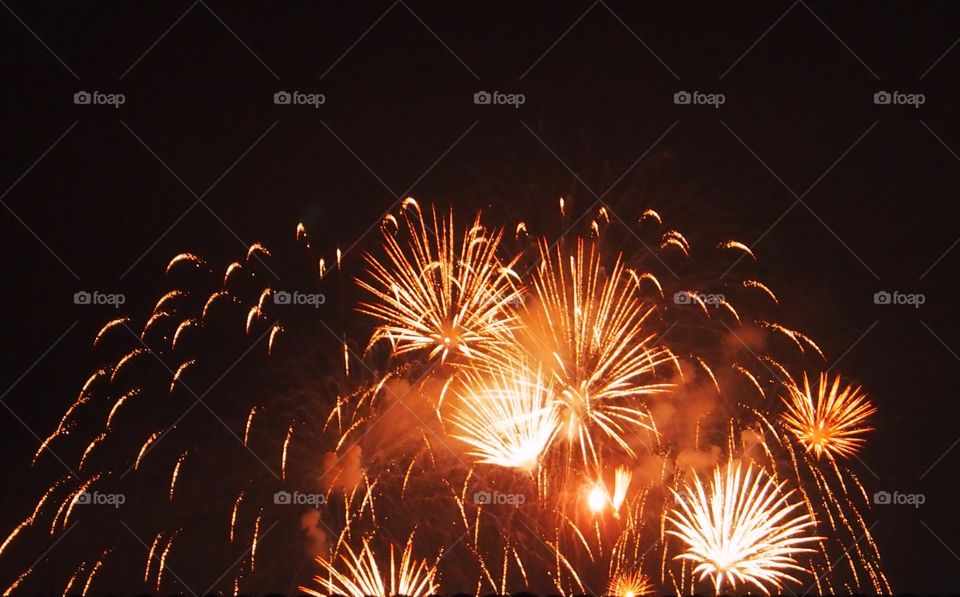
(572, 411)
(743, 529)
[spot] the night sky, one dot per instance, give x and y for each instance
(840, 197)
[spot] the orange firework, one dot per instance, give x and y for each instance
(506, 417)
(830, 421)
(745, 529)
(629, 584)
(433, 293)
(358, 574)
(538, 445)
(588, 325)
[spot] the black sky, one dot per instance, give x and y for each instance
(840, 197)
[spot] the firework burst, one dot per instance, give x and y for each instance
(358, 573)
(436, 294)
(828, 421)
(506, 417)
(744, 529)
(630, 584)
(529, 422)
(588, 325)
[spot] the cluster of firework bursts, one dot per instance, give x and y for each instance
(532, 411)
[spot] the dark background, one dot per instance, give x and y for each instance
(839, 197)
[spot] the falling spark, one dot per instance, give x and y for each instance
(180, 328)
(256, 539)
(168, 297)
(233, 267)
(150, 555)
(113, 323)
(163, 560)
(185, 258)
(274, 332)
(739, 246)
(146, 446)
(651, 214)
(136, 352)
(246, 429)
(176, 474)
(212, 299)
(257, 248)
(179, 373)
(28, 521)
(93, 572)
(283, 458)
(233, 515)
(252, 316)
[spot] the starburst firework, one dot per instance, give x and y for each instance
(743, 529)
(436, 294)
(588, 325)
(828, 421)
